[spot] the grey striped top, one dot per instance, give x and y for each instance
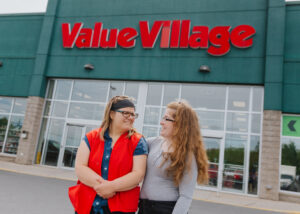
(157, 186)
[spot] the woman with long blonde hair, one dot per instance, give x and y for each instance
(110, 163)
(177, 160)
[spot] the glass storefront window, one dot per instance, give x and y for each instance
(115, 88)
(257, 99)
(152, 116)
(63, 89)
(84, 90)
(238, 98)
(290, 164)
(171, 93)
(12, 111)
(53, 141)
(20, 106)
(5, 104)
(86, 111)
(59, 109)
(3, 128)
(234, 154)
(211, 120)
(253, 164)
(132, 90)
(13, 136)
(204, 96)
(154, 94)
(256, 123)
(237, 122)
(234, 147)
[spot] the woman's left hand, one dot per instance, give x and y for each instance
(105, 189)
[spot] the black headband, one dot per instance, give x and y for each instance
(122, 104)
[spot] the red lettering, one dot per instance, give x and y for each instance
(199, 37)
(126, 37)
(96, 35)
(109, 41)
(185, 33)
(85, 37)
(69, 37)
(165, 35)
(219, 38)
(240, 36)
(149, 38)
(174, 43)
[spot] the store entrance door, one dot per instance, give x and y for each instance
(214, 145)
(74, 134)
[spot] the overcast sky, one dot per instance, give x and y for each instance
(22, 6)
(28, 6)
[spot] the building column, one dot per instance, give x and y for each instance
(31, 125)
(270, 155)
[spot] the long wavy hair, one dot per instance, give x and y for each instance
(106, 122)
(186, 141)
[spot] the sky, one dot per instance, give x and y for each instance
(31, 6)
(22, 6)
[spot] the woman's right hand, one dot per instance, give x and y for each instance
(104, 188)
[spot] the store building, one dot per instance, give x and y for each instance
(237, 62)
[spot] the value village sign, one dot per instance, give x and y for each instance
(173, 34)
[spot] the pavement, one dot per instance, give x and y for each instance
(237, 200)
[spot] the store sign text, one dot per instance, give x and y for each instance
(173, 34)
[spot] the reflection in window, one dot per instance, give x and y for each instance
(211, 120)
(59, 109)
(253, 164)
(233, 174)
(237, 122)
(12, 141)
(54, 139)
(150, 131)
(132, 90)
(90, 91)
(86, 111)
(154, 94)
(20, 106)
(12, 111)
(171, 93)
(255, 126)
(115, 89)
(63, 89)
(257, 99)
(5, 104)
(238, 98)
(204, 96)
(3, 127)
(290, 164)
(151, 116)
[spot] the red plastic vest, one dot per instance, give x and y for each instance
(120, 164)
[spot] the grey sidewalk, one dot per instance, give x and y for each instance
(209, 196)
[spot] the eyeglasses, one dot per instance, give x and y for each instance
(128, 114)
(168, 119)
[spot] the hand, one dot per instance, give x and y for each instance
(105, 189)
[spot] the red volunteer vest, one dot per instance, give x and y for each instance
(120, 164)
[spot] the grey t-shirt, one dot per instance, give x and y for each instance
(157, 186)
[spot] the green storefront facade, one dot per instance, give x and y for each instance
(247, 98)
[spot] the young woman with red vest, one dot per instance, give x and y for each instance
(110, 163)
(176, 161)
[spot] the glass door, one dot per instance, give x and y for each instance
(73, 137)
(214, 145)
(234, 163)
